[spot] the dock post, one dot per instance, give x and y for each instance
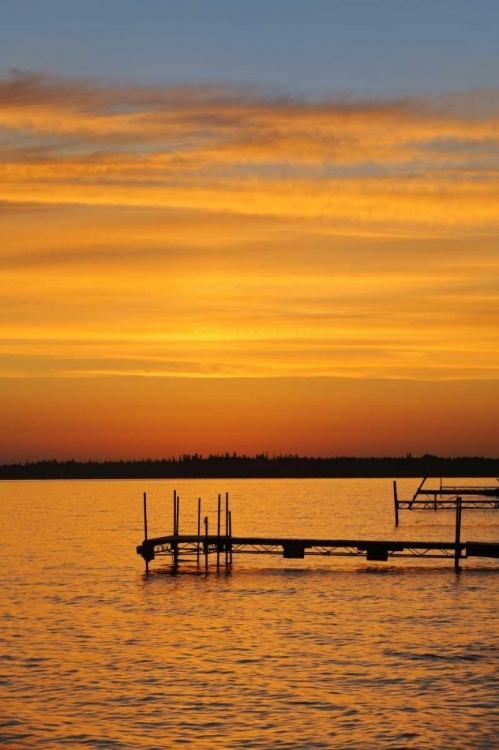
(199, 528)
(145, 529)
(206, 544)
(226, 530)
(396, 503)
(459, 510)
(176, 507)
(230, 537)
(219, 511)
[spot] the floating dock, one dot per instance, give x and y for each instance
(221, 546)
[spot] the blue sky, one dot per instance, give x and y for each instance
(315, 47)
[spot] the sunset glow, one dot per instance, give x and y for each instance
(331, 262)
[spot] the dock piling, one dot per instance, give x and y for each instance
(176, 509)
(230, 536)
(199, 530)
(145, 529)
(459, 512)
(226, 529)
(206, 543)
(219, 511)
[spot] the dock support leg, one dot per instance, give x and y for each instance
(219, 511)
(226, 530)
(199, 529)
(459, 511)
(145, 529)
(176, 510)
(396, 503)
(230, 537)
(206, 544)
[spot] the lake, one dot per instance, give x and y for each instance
(316, 653)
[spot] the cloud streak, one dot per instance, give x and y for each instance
(224, 232)
(238, 150)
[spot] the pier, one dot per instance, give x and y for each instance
(221, 545)
(445, 497)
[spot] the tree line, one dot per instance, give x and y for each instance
(259, 466)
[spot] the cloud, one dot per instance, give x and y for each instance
(73, 132)
(377, 164)
(228, 232)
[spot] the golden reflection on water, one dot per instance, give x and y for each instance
(307, 653)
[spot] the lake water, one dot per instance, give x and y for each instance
(314, 653)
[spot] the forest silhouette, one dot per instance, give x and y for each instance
(260, 466)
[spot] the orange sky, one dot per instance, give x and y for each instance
(200, 269)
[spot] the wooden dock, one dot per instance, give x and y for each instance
(221, 546)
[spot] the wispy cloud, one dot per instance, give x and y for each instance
(238, 150)
(203, 231)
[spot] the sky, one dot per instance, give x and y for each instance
(252, 227)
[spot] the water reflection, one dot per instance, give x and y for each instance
(279, 654)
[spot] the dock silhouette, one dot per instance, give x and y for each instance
(444, 497)
(222, 545)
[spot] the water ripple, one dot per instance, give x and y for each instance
(328, 654)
